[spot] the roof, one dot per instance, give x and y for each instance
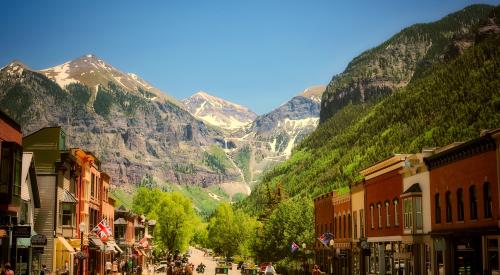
(10, 121)
(68, 197)
(415, 188)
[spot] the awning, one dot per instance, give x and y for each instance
(68, 197)
(65, 243)
(75, 243)
(97, 242)
(116, 247)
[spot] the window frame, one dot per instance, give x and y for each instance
(488, 204)
(437, 208)
(395, 202)
(473, 202)
(460, 205)
(448, 207)
(379, 209)
(387, 214)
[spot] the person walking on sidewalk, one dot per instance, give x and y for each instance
(270, 269)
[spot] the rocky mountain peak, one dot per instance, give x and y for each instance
(218, 112)
(314, 92)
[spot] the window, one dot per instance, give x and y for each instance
(488, 207)
(67, 214)
(349, 224)
(387, 214)
(437, 208)
(418, 213)
(344, 221)
(460, 204)
(355, 224)
(448, 207)
(407, 214)
(396, 216)
(335, 231)
(372, 222)
(379, 215)
(92, 185)
(361, 223)
(473, 202)
(10, 169)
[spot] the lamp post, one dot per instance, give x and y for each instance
(332, 258)
(82, 228)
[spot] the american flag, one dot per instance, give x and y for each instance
(103, 230)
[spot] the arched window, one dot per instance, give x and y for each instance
(437, 208)
(449, 217)
(349, 231)
(344, 226)
(488, 207)
(335, 227)
(460, 204)
(379, 215)
(387, 214)
(396, 216)
(473, 202)
(372, 221)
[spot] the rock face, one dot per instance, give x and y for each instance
(218, 112)
(132, 127)
(379, 71)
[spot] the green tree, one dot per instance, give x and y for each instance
(231, 232)
(177, 221)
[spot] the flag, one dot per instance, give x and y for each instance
(144, 242)
(325, 238)
(102, 230)
(295, 247)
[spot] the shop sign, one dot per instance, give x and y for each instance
(21, 231)
(39, 240)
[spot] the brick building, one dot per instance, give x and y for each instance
(383, 188)
(342, 233)
(323, 220)
(464, 206)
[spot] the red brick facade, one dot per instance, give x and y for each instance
(381, 192)
(465, 175)
(323, 216)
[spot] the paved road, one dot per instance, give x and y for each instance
(197, 258)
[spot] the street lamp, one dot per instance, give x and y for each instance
(82, 228)
(332, 257)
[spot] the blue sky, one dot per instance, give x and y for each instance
(255, 53)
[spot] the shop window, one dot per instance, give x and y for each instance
(379, 215)
(493, 256)
(396, 216)
(448, 207)
(460, 204)
(372, 222)
(67, 214)
(488, 207)
(387, 214)
(473, 202)
(437, 208)
(418, 213)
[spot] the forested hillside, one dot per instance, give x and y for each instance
(452, 101)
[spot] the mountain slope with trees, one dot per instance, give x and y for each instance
(451, 101)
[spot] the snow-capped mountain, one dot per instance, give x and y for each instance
(218, 112)
(93, 72)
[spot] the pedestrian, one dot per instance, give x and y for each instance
(8, 270)
(316, 270)
(44, 270)
(270, 269)
(109, 266)
(115, 267)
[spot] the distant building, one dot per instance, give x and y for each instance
(323, 220)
